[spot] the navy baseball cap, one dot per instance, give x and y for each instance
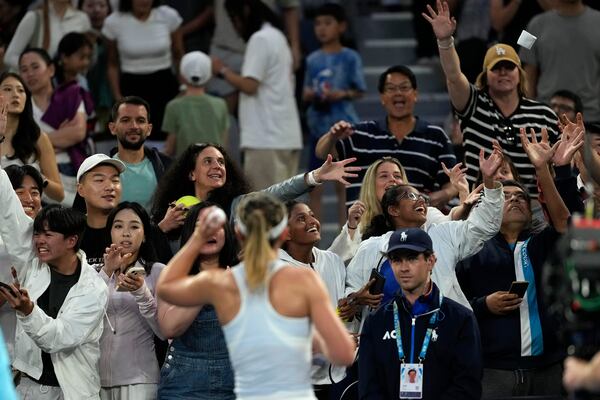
(415, 239)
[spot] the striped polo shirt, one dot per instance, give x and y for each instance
(482, 121)
(420, 153)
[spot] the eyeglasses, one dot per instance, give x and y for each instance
(414, 197)
(394, 88)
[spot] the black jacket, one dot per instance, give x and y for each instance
(452, 368)
(492, 270)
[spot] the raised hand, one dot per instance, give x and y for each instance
(489, 166)
(114, 260)
(341, 130)
(570, 141)
(355, 213)
(208, 223)
(442, 23)
(458, 179)
(539, 152)
(336, 170)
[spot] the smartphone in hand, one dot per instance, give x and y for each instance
(519, 288)
(377, 286)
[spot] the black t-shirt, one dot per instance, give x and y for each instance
(50, 302)
(94, 244)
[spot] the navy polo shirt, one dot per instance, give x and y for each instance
(420, 153)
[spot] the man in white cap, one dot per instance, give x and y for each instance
(99, 184)
(196, 116)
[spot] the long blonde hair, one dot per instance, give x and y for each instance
(368, 194)
(257, 214)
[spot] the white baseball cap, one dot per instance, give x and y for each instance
(94, 160)
(196, 68)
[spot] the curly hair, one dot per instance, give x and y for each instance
(176, 183)
(24, 141)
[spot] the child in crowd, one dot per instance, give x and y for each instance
(196, 116)
(333, 78)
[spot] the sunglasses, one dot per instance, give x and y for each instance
(504, 64)
(414, 197)
(508, 132)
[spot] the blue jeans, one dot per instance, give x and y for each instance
(197, 364)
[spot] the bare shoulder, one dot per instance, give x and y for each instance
(305, 278)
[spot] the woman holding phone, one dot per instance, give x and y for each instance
(198, 350)
(128, 364)
(265, 306)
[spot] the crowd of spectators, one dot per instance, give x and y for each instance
(140, 260)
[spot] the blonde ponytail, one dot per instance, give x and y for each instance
(257, 250)
(258, 213)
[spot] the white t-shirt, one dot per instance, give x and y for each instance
(144, 46)
(332, 271)
(269, 118)
(73, 21)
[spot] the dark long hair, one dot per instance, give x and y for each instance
(383, 223)
(68, 45)
(176, 183)
(24, 141)
(146, 255)
(252, 13)
(227, 255)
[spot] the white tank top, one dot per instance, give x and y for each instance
(270, 353)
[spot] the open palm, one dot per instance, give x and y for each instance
(442, 23)
(539, 152)
(489, 166)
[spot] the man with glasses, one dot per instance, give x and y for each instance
(565, 102)
(420, 146)
(521, 353)
(495, 107)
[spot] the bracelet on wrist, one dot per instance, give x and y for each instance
(446, 44)
(311, 180)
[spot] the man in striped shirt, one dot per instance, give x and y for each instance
(419, 146)
(494, 108)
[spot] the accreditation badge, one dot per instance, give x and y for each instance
(411, 381)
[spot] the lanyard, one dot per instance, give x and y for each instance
(426, 340)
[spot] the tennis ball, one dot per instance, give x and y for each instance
(188, 201)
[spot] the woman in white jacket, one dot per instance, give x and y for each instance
(128, 364)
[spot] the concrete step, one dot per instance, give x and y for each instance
(388, 51)
(384, 25)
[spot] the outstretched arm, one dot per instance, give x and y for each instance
(174, 284)
(443, 27)
(540, 154)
